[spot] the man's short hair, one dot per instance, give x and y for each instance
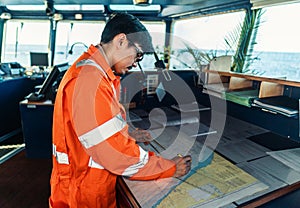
(129, 25)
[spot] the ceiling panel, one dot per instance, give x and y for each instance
(105, 2)
(170, 8)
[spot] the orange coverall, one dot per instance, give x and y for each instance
(91, 145)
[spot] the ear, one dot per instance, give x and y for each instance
(119, 40)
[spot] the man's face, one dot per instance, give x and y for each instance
(127, 58)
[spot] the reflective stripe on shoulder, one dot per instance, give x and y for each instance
(133, 169)
(91, 63)
(102, 132)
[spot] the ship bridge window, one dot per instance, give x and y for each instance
(157, 32)
(203, 35)
(277, 45)
(78, 35)
(75, 36)
(23, 36)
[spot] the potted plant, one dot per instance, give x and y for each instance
(243, 39)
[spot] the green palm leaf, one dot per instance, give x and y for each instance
(243, 39)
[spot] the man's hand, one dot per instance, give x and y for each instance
(183, 165)
(141, 135)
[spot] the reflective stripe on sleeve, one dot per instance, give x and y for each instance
(102, 132)
(114, 90)
(93, 164)
(133, 169)
(61, 157)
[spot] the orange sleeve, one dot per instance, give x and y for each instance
(94, 105)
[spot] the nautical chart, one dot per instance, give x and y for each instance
(218, 184)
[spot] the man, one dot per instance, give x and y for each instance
(91, 144)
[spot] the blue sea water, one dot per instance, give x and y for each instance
(277, 64)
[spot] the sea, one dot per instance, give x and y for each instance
(285, 65)
(277, 64)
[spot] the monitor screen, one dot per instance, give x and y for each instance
(50, 85)
(52, 81)
(39, 59)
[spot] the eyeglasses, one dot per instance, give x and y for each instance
(139, 53)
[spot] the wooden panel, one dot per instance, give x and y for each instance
(215, 78)
(125, 198)
(256, 78)
(269, 89)
(239, 83)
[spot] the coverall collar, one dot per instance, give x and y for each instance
(99, 58)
